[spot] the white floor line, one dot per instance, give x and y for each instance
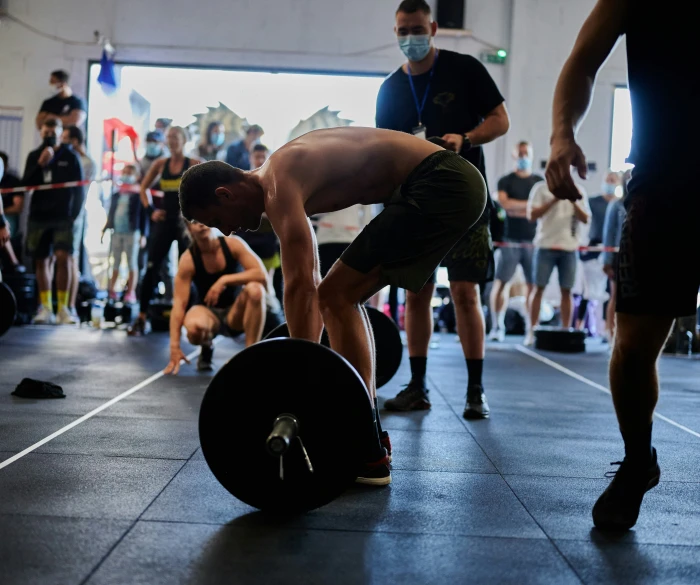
(89, 415)
(580, 378)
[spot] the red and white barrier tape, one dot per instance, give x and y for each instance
(580, 248)
(65, 185)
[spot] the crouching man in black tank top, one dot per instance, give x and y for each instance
(230, 282)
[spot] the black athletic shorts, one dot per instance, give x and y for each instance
(658, 271)
(471, 259)
(424, 218)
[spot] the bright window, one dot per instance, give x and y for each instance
(621, 130)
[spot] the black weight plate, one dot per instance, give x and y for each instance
(563, 340)
(265, 380)
(388, 345)
(387, 341)
(8, 308)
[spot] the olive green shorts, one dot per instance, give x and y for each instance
(421, 222)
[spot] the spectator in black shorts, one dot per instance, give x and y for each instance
(513, 193)
(658, 273)
(52, 216)
(230, 282)
(439, 93)
(64, 105)
(12, 207)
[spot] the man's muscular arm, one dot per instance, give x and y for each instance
(574, 90)
(495, 124)
(299, 267)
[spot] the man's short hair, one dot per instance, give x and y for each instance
(75, 133)
(61, 75)
(525, 143)
(52, 123)
(199, 183)
(133, 167)
(260, 148)
(255, 128)
(411, 6)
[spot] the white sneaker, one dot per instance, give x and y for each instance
(497, 335)
(44, 316)
(529, 339)
(65, 317)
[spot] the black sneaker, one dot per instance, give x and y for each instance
(204, 360)
(376, 473)
(476, 407)
(414, 396)
(618, 506)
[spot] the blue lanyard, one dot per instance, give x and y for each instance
(419, 107)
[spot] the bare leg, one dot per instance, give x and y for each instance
(75, 281)
(497, 303)
(372, 350)
(43, 281)
(113, 280)
(201, 325)
(248, 312)
(10, 251)
(341, 295)
(63, 271)
(131, 282)
(419, 320)
(610, 313)
(565, 307)
(535, 305)
(470, 318)
(528, 304)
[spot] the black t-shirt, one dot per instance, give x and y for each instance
(519, 229)
(664, 126)
(461, 94)
(62, 106)
(61, 203)
(9, 181)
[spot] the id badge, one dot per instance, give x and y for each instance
(419, 131)
(48, 176)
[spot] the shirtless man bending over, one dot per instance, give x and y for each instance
(431, 196)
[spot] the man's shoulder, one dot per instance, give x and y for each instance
(461, 59)
(50, 104)
(394, 78)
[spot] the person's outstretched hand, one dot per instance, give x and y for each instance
(564, 155)
(176, 355)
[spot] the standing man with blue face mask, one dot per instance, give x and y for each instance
(446, 95)
(513, 193)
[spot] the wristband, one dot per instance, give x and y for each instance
(3, 220)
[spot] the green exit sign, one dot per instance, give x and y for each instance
(497, 57)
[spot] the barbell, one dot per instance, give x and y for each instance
(286, 424)
(8, 308)
(387, 341)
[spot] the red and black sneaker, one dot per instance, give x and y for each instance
(386, 443)
(376, 473)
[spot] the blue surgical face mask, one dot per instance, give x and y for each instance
(609, 188)
(153, 149)
(129, 179)
(524, 163)
(217, 139)
(415, 47)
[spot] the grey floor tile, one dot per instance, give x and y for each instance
(416, 502)
(82, 486)
(670, 513)
(456, 452)
(19, 430)
(171, 553)
(632, 563)
(438, 418)
(128, 437)
(38, 550)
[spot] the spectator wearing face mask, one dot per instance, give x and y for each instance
(52, 215)
(127, 219)
(594, 280)
(154, 150)
(64, 105)
(211, 147)
(238, 154)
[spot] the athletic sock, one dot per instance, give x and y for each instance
(474, 370)
(62, 297)
(638, 444)
(418, 368)
(45, 299)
